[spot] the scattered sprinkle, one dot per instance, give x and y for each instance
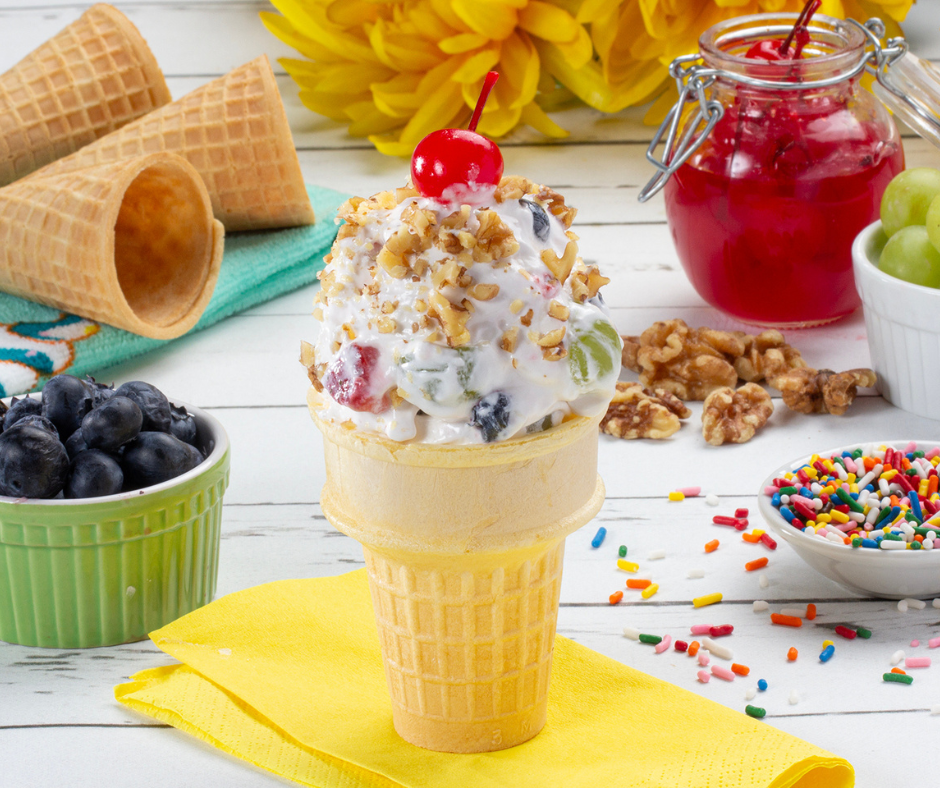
(786, 621)
(676, 496)
(711, 499)
(850, 634)
(810, 612)
(630, 632)
(647, 592)
(917, 662)
(693, 648)
(762, 684)
(902, 605)
(722, 673)
(599, 537)
(827, 653)
(656, 555)
(740, 670)
(764, 581)
(704, 658)
(711, 546)
(690, 492)
(898, 678)
(917, 604)
(792, 654)
(696, 574)
(792, 611)
(627, 566)
(755, 711)
(794, 698)
(622, 551)
(757, 563)
(717, 649)
(665, 643)
(897, 656)
(760, 606)
(616, 597)
(652, 639)
(915, 643)
(863, 632)
(933, 643)
(637, 583)
(704, 676)
(700, 629)
(750, 693)
(707, 599)
(681, 645)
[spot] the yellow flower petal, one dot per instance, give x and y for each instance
(400, 52)
(311, 21)
(595, 10)
(534, 116)
(367, 119)
(549, 22)
(330, 104)
(519, 65)
(352, 77)
(490, 18)
(578, 52)
(282, 29)
(462, 42)
(476, 66)
(400, 96)
(352, 12)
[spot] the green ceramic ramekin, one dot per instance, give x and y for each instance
(77, 574)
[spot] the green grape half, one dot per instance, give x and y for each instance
(909, 255)
(907, 198)
(601, 345)
(933, 223)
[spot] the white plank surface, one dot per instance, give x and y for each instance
(59, 724)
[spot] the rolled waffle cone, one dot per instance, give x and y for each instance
(130, 243)
(234, 131)
(464, 548)
(85, 82)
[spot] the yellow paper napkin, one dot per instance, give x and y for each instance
(289, 676)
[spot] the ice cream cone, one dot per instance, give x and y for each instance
(130, 243)
(87, 81)
(234, 131)
(464, 549)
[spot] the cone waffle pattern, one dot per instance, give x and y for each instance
(469, 647)
(234, 131)
(89, 80)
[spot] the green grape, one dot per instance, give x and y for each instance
(933, 223)
(907, 198)
(600, 345)
(910, 256)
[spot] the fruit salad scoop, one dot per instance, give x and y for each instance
(460, 312)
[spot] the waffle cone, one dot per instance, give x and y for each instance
(130, 243)
(85, 82)
(235, 132)
(464, 548)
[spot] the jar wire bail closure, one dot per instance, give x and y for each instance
(693, 81)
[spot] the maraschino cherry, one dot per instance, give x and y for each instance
(456, 164)
(791, 47)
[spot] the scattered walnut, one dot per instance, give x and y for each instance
(690, 363)
(730, 416)
(766, 356)
(453, 319)
(552, 338)
(637, 412)
(387, 325)
(516, 306)
(508, 341)
(526, 319)
(446, 274)
(388, 307)
(555, 353)
(807, 390)
(628, 357)
(494, 239)
(308, 359)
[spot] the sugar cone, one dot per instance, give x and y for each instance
(87, 81)
(234, 131)
(464, 549)
(130, 243)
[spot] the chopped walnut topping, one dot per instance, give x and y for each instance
(392, 256)
(631, 349)
(396, 396)
(388, 307)
(318, 314)
(405, 193)
(560, 266)
(453, 319)
(483, 292)
(387, 325)
(556, 353)
(509, 339)
(420, 220)
(464, 280)
(586, 282)
(421, 305)
(690, 363)
(516, 306)
(552, 338)
(495, 240)
(558, 310)
(730, 416)
(419, 266)
(446, 274)
(766, 356)
(526, 319)
(636, 412)
(807, 390)
(349, 331)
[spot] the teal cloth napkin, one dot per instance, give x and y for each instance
(37, 341)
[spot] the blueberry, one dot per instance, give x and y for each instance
(152, 403)
(93, 474)
(540, 225)
(40, 421)
(20, 408)
(33, 463)
(75, 444)
(65, 401)
(182, 424)
(101, 392)
(155, 457)
(112, 424)
(491, 415)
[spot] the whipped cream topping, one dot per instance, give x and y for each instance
(448, 323)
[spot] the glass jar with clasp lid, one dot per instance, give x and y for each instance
(771, 168)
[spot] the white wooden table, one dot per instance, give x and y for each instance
(59, 724)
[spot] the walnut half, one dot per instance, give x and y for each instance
(637, 412)
(730, 416)
(807, 390)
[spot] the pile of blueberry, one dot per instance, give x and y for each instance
(84, 440)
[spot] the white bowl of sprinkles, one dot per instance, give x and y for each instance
(849, 520)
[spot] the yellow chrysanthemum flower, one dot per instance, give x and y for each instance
(396, 70)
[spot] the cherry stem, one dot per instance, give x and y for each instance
(811, 7)
(488, 83)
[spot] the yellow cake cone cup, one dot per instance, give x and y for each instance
(464, 548)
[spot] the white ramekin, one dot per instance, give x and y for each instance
(903, 323)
